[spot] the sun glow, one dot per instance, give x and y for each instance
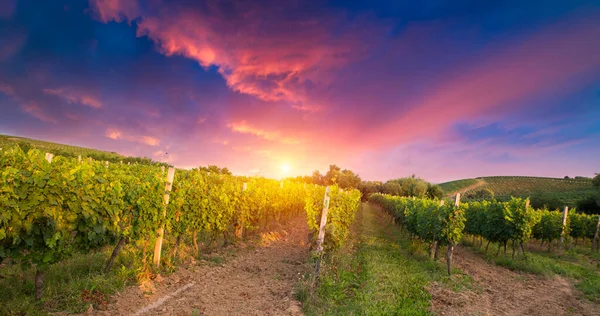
(285, 169)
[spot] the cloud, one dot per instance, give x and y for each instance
(117, 134)
(503, 80)
(36, 111)
(73, 96)
(245, 128)
(6, 89)
(247, 44)
(7, 8)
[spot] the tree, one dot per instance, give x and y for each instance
(483, 194)
(367, 188)
(392, 188)
(331, 177)
(317, 178)
(434, 191)
(596, 181)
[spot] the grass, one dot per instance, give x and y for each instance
(457, 185)
(557, 190)
(73, 284)
(69, 286)
(579, 264)
(379, 272)
(7, 141)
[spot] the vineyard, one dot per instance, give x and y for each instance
(438, 223)
(7, 141)
(55, 207)
(563, 191)
(457, 185)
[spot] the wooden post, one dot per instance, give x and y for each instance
(564, 224)
(321, 237)
(442, 202)
(79, 158)
(596, 236)
(161, 231)
(451, 243)
(49, 157)
(281, 185)
(106, 163)
(239, 231)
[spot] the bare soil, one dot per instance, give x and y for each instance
(499, 291)
(256, 280)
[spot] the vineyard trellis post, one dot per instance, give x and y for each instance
(321, 237)
(596, 236)
(564, 224)
(161, 230)
(239, 233)
(451, 243)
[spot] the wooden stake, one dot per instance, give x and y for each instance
(564, 224)
(161, 231)
(321, 237)
(281, 185)
(49, 157)
(106, 163)
(79, 158)
(457, 200)
(596, 235)
(442, 202)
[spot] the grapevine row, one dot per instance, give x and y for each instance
(439, 223)
(50, 210)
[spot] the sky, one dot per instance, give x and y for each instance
(441, 89)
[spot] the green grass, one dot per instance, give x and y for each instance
(380, 272)
(554, 190)
(457, 185)
(579, 264)
(7, 141)
(69, 286)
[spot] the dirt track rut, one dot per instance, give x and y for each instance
(257, 281)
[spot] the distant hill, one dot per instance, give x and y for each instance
(565, 191)
(7, 141)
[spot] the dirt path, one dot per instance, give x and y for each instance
(499, 291)
(462, 191)
(257, 281)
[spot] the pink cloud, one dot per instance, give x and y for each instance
(245, 128)
(252, 55)
(73, 96)
(7, 8)
(117, 134)
(6, 89)
(36, 111)
(556, 59)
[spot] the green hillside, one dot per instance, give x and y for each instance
(457, 185)
(7, 141)
(557, 191)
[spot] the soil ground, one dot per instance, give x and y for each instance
(499, 291)
(256, 280)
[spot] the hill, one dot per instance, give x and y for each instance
(7, 141)
(560, 191)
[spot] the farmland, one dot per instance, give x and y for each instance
(79, 235)
(567, 191)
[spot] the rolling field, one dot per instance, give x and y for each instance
(568, 191)
(9, 141)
